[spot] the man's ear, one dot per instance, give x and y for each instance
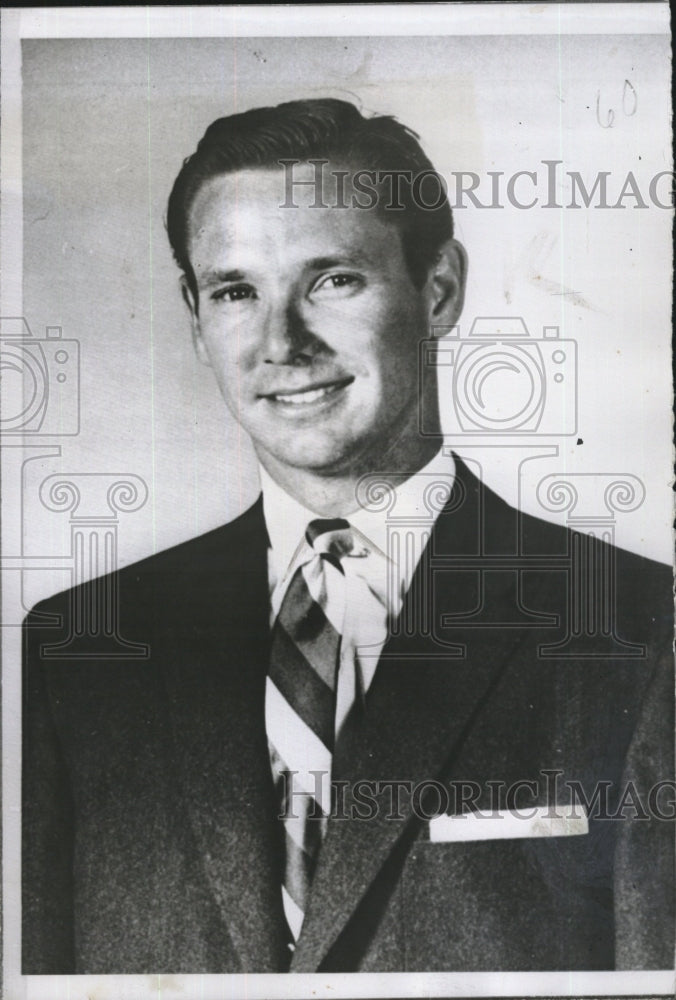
(445, 287)
(191, 302)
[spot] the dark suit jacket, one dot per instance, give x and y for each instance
(151, 843)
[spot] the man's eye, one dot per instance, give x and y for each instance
(234, 293)
(338, 282)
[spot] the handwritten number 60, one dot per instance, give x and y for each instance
(629, 105)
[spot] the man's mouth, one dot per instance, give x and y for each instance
(310, 394)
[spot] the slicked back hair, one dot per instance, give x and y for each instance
(328, 129)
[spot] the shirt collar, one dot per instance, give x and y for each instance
(408, 502)
(286, 519)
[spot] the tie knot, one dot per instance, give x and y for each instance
(330, 536)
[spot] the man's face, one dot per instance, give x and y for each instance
(310, 320)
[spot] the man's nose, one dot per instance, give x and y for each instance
(287, 337)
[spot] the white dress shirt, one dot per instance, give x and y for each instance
(376, 579)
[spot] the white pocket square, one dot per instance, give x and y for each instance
(505, 824)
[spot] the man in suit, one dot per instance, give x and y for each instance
(352, 695)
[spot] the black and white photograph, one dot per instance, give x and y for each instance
(337, 462)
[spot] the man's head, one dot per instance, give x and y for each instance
(316, 129)
(311, 316)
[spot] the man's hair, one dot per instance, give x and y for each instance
(326, 129)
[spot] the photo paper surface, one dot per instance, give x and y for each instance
(405, 725)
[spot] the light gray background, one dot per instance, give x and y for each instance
(106, 126)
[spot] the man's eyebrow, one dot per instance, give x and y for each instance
(216, 277)
(354, 258)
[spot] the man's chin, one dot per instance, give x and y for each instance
(318, 464)
(313, 458)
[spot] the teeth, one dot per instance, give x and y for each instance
(305, 397)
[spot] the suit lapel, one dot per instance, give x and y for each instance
(215, 676)
(419, 710)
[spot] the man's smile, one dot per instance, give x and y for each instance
(313, 393)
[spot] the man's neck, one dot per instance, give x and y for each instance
(336, 495)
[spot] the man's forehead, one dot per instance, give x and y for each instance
(251, 207)
(260, 185)
(296, 185)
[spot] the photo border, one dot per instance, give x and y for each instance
(292, 20)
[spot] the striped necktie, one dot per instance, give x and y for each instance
(300, 705)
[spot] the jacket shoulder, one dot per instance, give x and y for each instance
(228, 549)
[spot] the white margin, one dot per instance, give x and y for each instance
(261, 21)
(343, 19)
